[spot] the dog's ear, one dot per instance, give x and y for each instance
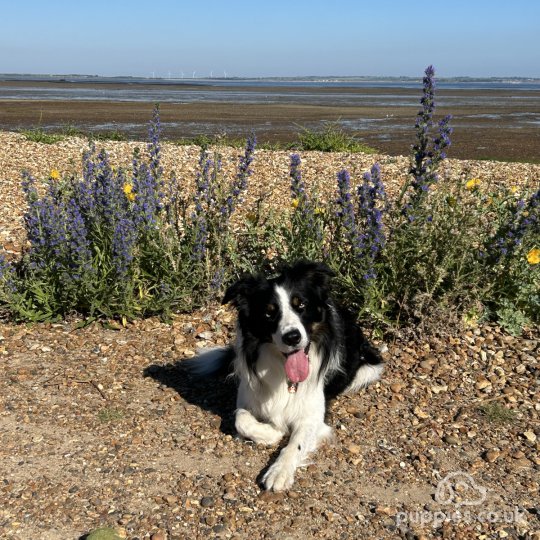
(239, 290)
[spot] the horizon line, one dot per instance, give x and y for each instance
(270, 77)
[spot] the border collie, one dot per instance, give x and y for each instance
(295, 348)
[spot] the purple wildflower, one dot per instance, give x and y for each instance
(79, 249)
(372, 204)
(244, 172)
(523, 219)
(217, 279)
(7, 275)
(305, 208)
(298, 188)
(148, 198)
(45, 224)
(123, 243)
(428, 153)
(204, 201)
(345, 211)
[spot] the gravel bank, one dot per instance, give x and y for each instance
(270, 178)
(100, 427)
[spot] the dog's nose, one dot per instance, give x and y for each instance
(292, 337)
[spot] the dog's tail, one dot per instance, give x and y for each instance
(215, 361)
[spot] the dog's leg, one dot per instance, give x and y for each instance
(304, 440)
(250, 428)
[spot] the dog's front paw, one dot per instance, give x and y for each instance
(279, 477)
(270, 437)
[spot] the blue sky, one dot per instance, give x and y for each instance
(271, 38)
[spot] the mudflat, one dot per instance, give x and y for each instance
(488, 124)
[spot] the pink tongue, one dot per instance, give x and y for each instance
(297, 367)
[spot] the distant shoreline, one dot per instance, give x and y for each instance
(82, 78)
(498, 124)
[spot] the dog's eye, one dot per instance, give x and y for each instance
(298, 304)
(270, 311)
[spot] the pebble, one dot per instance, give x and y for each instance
(207, 502)
(271, 496)
(230, 495)
(451, 439)
(396, 387)
(522, 463)
(530, 436)
(482, 384)
(426, 364)
(491, 455)
(354, 449)
(420, 413)
(170, 499)
(385, 510)
(106, 533)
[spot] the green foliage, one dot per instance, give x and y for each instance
(497, 413)
(110, 135)
(39, 135)
(104, 533)
(111, 415)
(123, 243)
(331, 138)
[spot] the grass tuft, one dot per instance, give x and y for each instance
(39, 135)
(497, 413)
(331, 138)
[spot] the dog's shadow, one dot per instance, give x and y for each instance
(216, 395)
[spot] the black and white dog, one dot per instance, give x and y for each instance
(294, 350)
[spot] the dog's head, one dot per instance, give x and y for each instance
(284, 311)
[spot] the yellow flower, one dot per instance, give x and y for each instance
(128, 191)
(533, 256)
(473, 183)
(318, 211)
(55, 174)
(513, 189)
(295, 203)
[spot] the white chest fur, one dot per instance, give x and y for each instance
(267, 395)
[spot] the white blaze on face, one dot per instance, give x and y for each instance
(289, 320)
